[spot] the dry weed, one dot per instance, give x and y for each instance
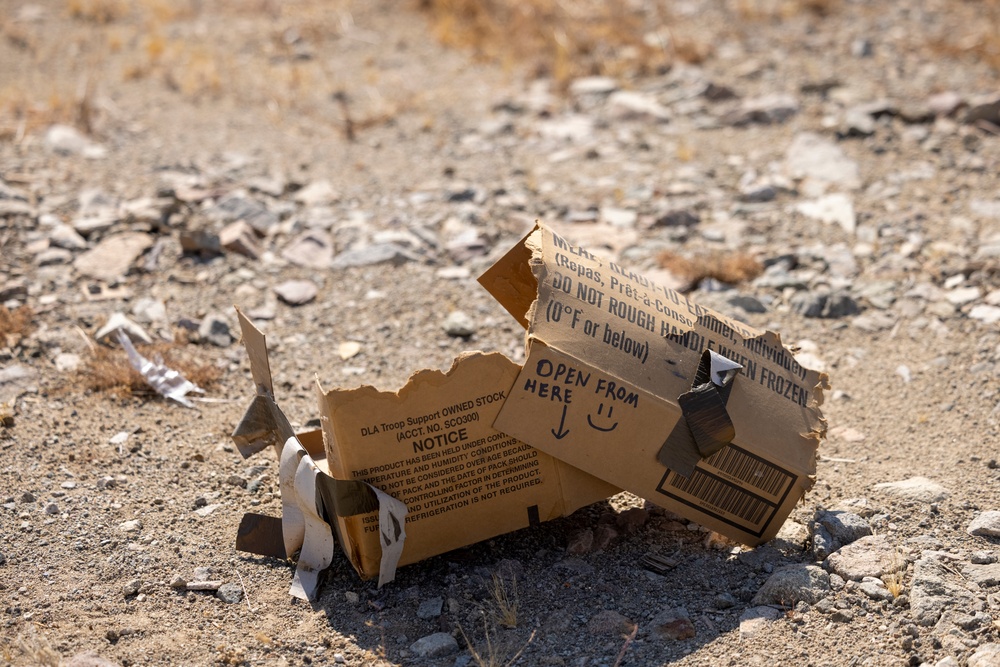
(14, 324)
(978, 36)
(36, 648)
(729, 268)
(894, 580)
(107, 370)
(505, 599)
(563, 40)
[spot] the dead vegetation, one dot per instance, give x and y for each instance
(499, 611)
(729, 268)
(566, 40)
(107, 370)
(15, 324)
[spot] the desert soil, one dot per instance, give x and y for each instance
(851, 147)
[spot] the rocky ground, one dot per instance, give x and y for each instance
(344, 178)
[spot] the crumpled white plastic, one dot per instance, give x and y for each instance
(166, 381)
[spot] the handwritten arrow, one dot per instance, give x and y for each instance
(560, 434)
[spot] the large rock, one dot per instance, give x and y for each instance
(835, 529)
(936, 587)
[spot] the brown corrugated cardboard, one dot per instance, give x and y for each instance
(432, 446)
(634, 383)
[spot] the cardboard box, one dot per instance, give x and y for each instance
(638, 385)
(431, 446)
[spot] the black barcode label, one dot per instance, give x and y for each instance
(734, 486)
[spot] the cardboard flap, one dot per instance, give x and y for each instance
(256, 347)
(512, 282)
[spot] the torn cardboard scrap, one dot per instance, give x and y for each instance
(633, 382)
(404, 475)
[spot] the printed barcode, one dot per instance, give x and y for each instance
(723, 496)
(749, 469)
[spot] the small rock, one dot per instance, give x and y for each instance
(820, 164)
(987, 655)
(27, 497)
(986, 524)
(178, 582)
(132, 588)
(755, 619)
(348, 349)
(875, 589)
(724, 601)
(376, 253)
(633, 519)
(132, 526)
(66, 140)
(765, 110)
(296, 292)
(459, 325)
(215, 329)
(835, 529)
(824, 305)
(317, 193)
(207, 510)
(581, 543)
(112, 258)
(89, 660)
(986, 576)
(793, 583)
(632, 105)
(67, 362)
(313, 249)
(747, 303)
(240, 207)
(919, 489)
(434, 646)
(833, 208)
(204, 585)
(352, 597)
(945, 103)
(842, 616)
(870, 556)
(609, 622)
(106, 482)
(239, 237)
(430, 608)
(593, 85)
(985, 313)
(673, 624)
(983, 558)
(230, 593)
(51, 508)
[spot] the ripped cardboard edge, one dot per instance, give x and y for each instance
(311, 499)
(594, 327)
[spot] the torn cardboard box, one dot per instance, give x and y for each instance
(426, 456)
(634, 383)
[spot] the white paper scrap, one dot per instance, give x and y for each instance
(166, 381)
(392, 533)
(722, 368)
(317, 545)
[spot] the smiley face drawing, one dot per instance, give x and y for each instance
(604, 429)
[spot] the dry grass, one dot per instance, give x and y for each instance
(500, 610)
(14, 324)
(505, 599)
(564, 40)
(894, 580)
(978, 36)
(730, 268)
(33, 647)
(107, 370)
